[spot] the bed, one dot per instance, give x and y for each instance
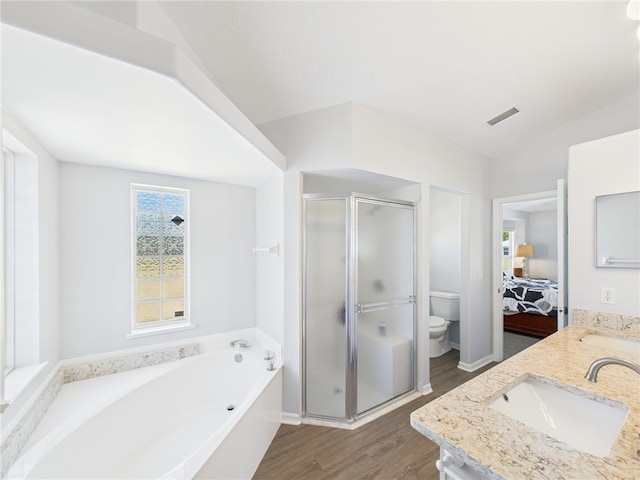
(530, 305)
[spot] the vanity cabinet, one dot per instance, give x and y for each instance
(478, 442)
(453, 468)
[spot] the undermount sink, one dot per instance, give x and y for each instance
(621, 344)
(585, 421)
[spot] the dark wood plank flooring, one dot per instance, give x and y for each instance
(385, 448)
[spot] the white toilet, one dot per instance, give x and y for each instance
(445, 308)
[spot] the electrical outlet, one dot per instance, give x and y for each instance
(608, 295)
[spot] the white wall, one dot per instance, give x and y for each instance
(96, 257)
(446, 244)
(316, 141)
(391, 147)
(537, 228)
(535, 166)
(605, 166)
(543, 235)
(445, 240)
(26, 258)
(516, 221)
(320, 140)
(46, 342)
(125, 12)
(352, 136)
(147, 16)
(270, 267)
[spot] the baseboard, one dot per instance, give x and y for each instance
(472, 367)
(291, 418)
(426, 389)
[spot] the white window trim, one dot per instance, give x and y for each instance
(20, 378)
(157, 330)
(8, 259)
(512, 245)
(160, 326)
(25, 354)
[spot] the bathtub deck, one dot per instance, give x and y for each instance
(79, 399)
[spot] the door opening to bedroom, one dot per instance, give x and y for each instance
(529, 270)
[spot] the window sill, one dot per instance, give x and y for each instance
(145, 332)
(18, 379)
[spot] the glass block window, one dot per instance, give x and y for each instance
(160, 244)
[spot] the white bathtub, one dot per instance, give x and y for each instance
(167, 421)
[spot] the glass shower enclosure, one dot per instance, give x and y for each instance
(359, 304)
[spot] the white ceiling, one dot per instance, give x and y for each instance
(89, 107)
(447, 67)
(347, 180)
(539, 205)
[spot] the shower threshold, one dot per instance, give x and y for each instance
(366, 417)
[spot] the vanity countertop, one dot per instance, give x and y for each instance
(502, 448)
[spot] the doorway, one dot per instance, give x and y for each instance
(530, 242)
(445, 253)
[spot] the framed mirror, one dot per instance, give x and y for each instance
(618, 230)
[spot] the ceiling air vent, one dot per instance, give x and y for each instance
(503, 116)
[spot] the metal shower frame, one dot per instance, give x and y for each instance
(351, 282)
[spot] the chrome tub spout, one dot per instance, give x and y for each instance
(240, 343)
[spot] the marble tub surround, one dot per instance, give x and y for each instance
(20, 434)
(106, 366)
(502, 448)
(77, 370)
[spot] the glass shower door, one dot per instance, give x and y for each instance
(385, 301)
(324, 310)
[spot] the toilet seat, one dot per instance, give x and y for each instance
(436, 322)
(438, 336)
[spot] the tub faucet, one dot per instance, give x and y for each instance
(592, 373)
(240, 343)
(270, 357)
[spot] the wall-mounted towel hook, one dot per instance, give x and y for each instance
(275, 249)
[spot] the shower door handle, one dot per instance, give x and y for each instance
(372, 307)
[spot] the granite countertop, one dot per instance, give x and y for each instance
(503, 448)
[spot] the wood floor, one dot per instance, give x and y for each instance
(386, 448)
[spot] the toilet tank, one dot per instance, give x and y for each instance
(445, 305)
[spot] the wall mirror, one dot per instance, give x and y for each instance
(618, 230)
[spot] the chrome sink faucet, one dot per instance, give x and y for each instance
(240, 343)
(592, 373)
